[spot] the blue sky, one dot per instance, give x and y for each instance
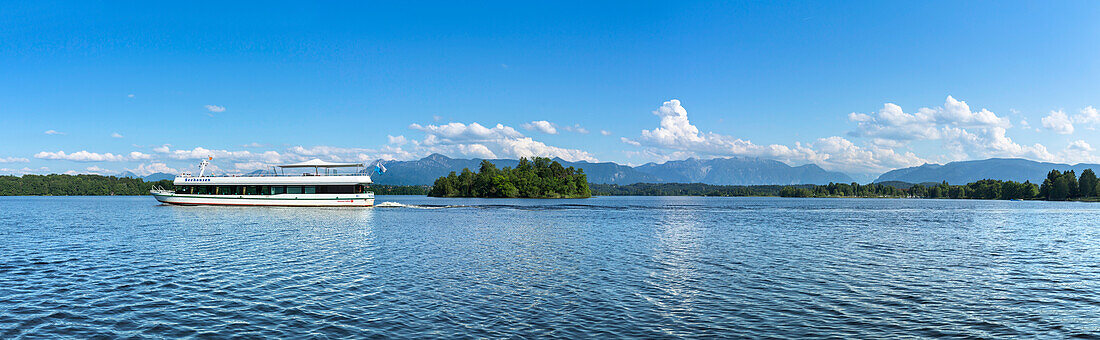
(860, 87)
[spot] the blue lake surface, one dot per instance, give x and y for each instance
(645, 267)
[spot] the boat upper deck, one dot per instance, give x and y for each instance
(275, 179)
(330, 176)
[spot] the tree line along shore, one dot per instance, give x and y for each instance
(544, 178)
(1058, 186)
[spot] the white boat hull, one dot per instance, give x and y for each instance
(283, 200)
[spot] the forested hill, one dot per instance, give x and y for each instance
(541, 178)
(78, 185)
(1004, 169)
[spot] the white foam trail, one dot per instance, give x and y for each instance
(402, 205)
(390, 205)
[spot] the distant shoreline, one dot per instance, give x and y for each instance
(96, 185)
(1084, 200)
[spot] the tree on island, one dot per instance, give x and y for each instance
(1088, 183)
(1059, 186)
(541, 178)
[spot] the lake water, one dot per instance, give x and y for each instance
(647, 267)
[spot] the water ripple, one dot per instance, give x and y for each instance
(650, 267)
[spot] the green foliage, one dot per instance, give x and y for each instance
(989, 189)
(541, 178)
(1088, 183)
(79, 185)
(1065, 186)
(1071, 183)
(1059, 191)
(1055, 187)
(789, 191)
(844, 190)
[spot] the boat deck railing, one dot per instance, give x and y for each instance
(156, 189)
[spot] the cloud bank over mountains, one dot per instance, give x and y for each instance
(677, 137)
(475, 140)
(876, 142)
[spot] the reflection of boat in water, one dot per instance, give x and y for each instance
(316, 189)
(1017, 200)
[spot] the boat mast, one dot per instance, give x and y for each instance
(202, 166)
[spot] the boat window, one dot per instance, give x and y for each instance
(252, 190)
(265, 190)
(276, 190)
(293, 189)
(309, 190)
(335, 189)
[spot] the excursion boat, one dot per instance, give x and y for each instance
(324, 187)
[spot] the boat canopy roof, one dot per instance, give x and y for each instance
(317, 163)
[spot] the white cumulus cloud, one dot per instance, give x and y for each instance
(499, 141)
(542, 126)
(81, 156)
(1088, 116)
(967, 134)
(1058, 122)
(13, 160)
(1078, 151)
(152, 168)
(215, 108)
(677, 136)
(397, 140)
(202, 153)
(116, 135)
(576, 128)
(53, 132)
(891, 122)
(991, 142)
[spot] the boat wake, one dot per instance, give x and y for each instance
(520, 207)
(414, 206)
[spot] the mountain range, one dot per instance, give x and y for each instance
(150, 178)
(963, 172)
(724, 171)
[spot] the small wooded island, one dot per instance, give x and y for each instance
(541, 178)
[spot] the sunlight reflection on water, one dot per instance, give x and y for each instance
(608, 266)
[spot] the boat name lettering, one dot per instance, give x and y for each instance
(196, 179)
